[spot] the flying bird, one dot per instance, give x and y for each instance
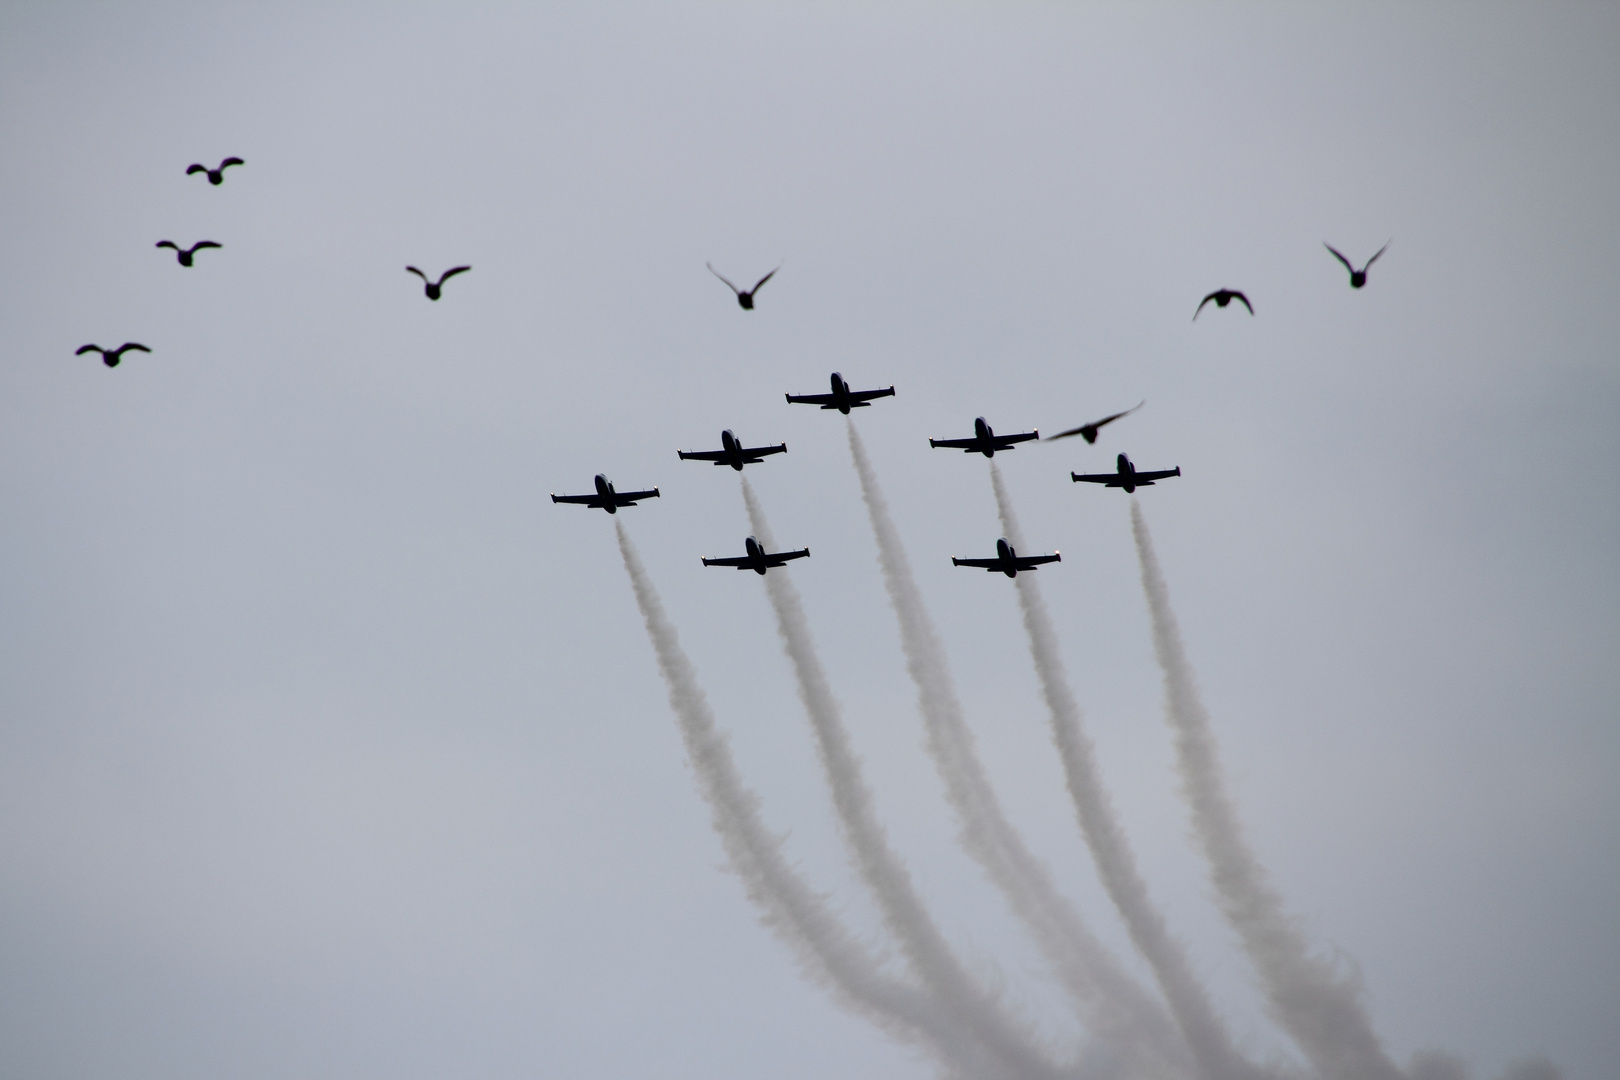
(1088, 432)
(433, 287)
(185, 254)
(1358, 278)
(1222, 297)
(110, 357)
(745, 300)
(216, 176)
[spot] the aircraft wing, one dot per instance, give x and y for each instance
(983, 564)
(1111, 479)
(761, 451)
(868, 395)
(628, 498)
(826, 401)
(1030, 562)
(741, 562)
(1149, 477)
(702, 455)
(781, 557)
(586, 500)
(957, 444)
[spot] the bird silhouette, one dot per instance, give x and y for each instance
(1088, 432)
(745, 300)
(433, 287)
(1358, 278)
(1222, 297)
(110, 357)
(185, 254)
(216, 176)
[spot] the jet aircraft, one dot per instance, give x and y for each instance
(606, 498)
(1008, 561)
(985, 441)
(733, 453)
(842, 397)
(1089, 431)
(758, 559)
(1127, 477)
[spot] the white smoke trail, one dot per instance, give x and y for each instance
(795, 912)
(1318, 1007)
(904, 912)
(1211, 1046)
(1112, 1005)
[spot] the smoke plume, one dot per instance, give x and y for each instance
(1116, 863)
(1318, 1007)
(1112, 1005)
(797, 914)
(904, 913)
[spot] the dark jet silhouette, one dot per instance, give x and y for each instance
(185, 254)
(606, 498)
(758, 559)
(111, 357)
(985, 441)
(842, 397)
(733, 453)
(216, 176)
(745, 300)
(1358, 278)
(433, 287)
(1127, 477)
(1008, 561)
(1089, 431)
(1222, 297)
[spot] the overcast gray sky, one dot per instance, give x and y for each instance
(330, 747)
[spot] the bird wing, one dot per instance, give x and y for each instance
(763, 280)
(82, 349)
(167, 244)
(729, 285)
(1204, 301)
(448, 274)
(1239, 296)
(1380, 252)
(230, 161)
(1340, 257)
(417, 272)
(128, 345)
(1066, 434)
(196, 169)
(199, 245)
(1116, 416)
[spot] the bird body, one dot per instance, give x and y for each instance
(185, 254)
(1222, 297)
(745, 300)
(432, 288)
(1358, 278)
(216, 176)
(111, 357)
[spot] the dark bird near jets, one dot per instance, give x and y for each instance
(185, 254)
(745, 300)
(732, 452)
(111, 357)
(606, 498)
(1358, 278)
(1089, 431)
(216, 176)
(842, 397)
(433, 287)
(1222, 297)
(1127, 477)
(1008, 561)
(984, 441)
(758, 559)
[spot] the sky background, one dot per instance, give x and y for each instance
(330, 747)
